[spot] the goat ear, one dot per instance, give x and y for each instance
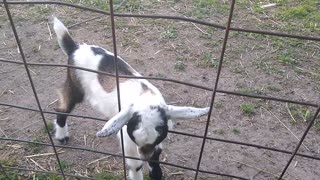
(115, 123)
(181, 112)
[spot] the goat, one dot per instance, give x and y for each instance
(144, 115)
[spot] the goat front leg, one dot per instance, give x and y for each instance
(69, 96)
(130, 149)
(155, 172)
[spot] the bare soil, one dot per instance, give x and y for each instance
(254, 64)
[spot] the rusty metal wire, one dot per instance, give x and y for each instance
(171, 131)
(214, 90)
(114, 42)
(120, 156)
(224, 45)
(32, 84)
(47, 172)
(280, 34)
(169, 80)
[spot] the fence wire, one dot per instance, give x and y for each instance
(214, 91)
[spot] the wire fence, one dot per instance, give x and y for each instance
(215, 90)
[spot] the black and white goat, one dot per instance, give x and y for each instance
(144, 115)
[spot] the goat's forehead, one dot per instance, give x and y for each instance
(151, 111)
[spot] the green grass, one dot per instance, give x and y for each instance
(34, 13)
(307, 13)
(13, 175)
(131, 41)
(208, 60)
(303, 114)
(35, 148)
(288, 58)
(256, 91)
(39, 176)
(273, 88)
(64, 165)
(236, 131)
(300, 113)
(220, 131)
(248, 110)
(169, 33)
(179, 66)
(205, 8)
(109, 176)
(132, 6)
(290, 16)
(99, 4)
(9, 162)
(50, 127)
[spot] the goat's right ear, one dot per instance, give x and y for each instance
(183, 112)
(116, 123)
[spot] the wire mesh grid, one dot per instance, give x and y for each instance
(214, 91)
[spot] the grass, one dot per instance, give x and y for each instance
(248, 110)
(220, 131)
(236, 131)
(205, 8)
(36, 148)
(179, 66)
(301, 114)
(13, 175)
(306, 13)
(297, 16)
(64, 165)
(169, 33)
(132, 6)
(208, 60)
(50, 127)
(255, 91)
(130, 41)
(109, 176)
(9, 162)
(39, 176)
(288, 58)
(100, 4)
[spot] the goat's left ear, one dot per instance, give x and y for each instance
(115, 123)
(181, 112)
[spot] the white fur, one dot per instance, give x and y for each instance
(60, 30)
(130, 149)
(61, 133)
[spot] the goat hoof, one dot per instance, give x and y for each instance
(64, 140)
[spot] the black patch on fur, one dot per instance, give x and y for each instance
(68, 44)
(144, 87)
(133, 125)
(162, 129)
(107, 63)
(64, 140)
(139, 168)
(155, 173)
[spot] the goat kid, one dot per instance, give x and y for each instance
(144, 115)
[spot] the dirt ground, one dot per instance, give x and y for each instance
(253, 64)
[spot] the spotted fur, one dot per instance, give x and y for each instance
(144, 113)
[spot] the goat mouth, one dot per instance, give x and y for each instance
(147, 151)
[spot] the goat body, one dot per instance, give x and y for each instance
(144, 115)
